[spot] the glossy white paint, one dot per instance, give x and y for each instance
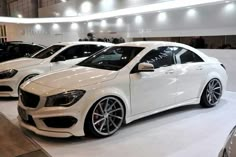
(143, 93)
(28, 66)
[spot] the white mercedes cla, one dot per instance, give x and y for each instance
(119, 85)
(62, 55)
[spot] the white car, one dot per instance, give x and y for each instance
(62, 55)
(119, 85)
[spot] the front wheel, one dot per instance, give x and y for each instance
(105, 117)
(212, 93)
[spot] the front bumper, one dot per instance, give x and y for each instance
(42, 132)
(13, 84)
(39, 126)
(71, 119)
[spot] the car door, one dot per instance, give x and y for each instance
(69, 57)
(191, 72)
(154, 90)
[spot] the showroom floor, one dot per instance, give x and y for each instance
(188, 131)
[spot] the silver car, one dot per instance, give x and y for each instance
(229, 149)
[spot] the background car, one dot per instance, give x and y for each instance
(229, 149)
(119, 85)
(18, 49)
(62, 55)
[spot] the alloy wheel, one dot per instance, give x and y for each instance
(214, 91)
(108, 116)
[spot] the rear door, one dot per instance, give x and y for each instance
(191, 72)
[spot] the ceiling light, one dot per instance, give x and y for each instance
(191, 12)
(74, 26)
(103, 23)
(70, 12)
(64, 1)
(230, 6)
(90, 24)
(162, 17)
(19, 15)
(119, 22)
(38, 27)
(56, 14)
(55, 26)
(138, 19)
(87, 7)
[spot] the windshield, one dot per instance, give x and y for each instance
(114, 58)
(48, 52)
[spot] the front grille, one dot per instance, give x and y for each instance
(29, 99)
(60, 122)
(5, 89)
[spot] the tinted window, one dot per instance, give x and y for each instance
(160, 57)
(75, 52)
(48, 52)
(186, 56)
(113, 58)
(94, 48)
(36, 48)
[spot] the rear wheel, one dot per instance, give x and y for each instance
(212, 93)
(105, 117)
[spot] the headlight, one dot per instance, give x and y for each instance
(8, 73)
(65, 99)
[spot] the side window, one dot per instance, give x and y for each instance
(92, 49)
(186, 56)
(25, 50)
(160, 57)
(74, 52)
(36, 48)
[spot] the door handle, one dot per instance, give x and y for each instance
(170, 71)
(199, 68)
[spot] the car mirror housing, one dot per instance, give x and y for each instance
(145, 67)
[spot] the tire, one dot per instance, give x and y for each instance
(212, 93)
(105, 117)
(25, 79)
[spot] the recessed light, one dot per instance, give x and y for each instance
(19, 15)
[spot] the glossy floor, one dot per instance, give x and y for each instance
(184, 132)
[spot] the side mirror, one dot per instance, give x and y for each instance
(58, 58)
(145, 67)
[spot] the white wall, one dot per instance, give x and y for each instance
(228, 58)
(217, 19)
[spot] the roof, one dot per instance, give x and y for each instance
(84, 43)
(152, 43)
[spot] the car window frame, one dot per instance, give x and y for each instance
(67, 50)
(135, 68)
(172, 55)
(187, 50)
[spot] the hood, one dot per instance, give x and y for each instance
(19, 63)
(74, 78)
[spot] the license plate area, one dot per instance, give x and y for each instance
(24, 116)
